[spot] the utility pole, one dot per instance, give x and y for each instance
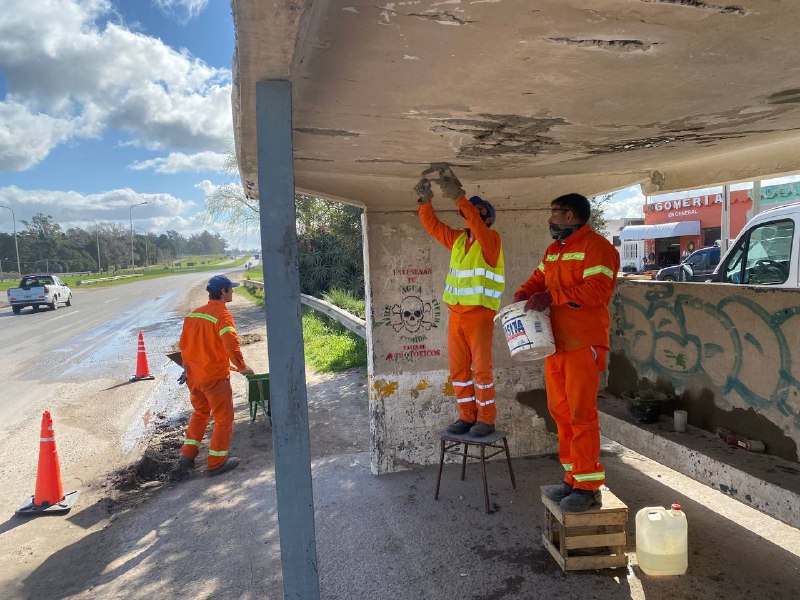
(133, 264)
(16, 247)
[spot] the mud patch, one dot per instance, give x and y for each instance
(785, 97)
(250, 338)
(731, 9)
(612, 45)
(157, 465)
(329, 132)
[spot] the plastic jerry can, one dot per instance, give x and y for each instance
(662, 540)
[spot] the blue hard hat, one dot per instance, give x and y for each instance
(218, 283)
(477, 202)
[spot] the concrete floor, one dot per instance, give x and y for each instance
(380, 537)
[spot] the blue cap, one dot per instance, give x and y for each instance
(477, 202)
(218, 283)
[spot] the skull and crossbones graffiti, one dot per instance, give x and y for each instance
(412, 314)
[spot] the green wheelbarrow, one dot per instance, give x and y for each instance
(258, 395)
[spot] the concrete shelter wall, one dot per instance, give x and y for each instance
(411, 395)
(730, 353)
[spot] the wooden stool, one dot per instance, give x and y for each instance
(450, 441)
(594, 539)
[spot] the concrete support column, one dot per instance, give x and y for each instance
(285, 341)
(411, 394)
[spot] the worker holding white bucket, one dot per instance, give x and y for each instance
(575, 281)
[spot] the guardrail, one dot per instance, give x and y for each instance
(114, 278)
(349, 320)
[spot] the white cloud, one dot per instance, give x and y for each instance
(191, 8)
(178, 162)
(26, 138)
(80, 77)
(625, 203)
(109, 206)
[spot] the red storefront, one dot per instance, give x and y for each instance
(669, 243)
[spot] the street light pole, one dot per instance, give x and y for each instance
(16, 247)
(97, 234)
(133, 264)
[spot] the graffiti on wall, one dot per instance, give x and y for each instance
(412, 318)
(739, 346)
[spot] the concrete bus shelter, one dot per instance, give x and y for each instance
(526, 101)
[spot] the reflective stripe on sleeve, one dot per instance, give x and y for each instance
(541, 267)
(597, 270)
(218, 453)
(567, 466)
(227, 329)
(203, 316)
(591, 476)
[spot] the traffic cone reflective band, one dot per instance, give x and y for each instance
(49, 496)
(142, 370)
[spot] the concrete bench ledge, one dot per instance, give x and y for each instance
(767, 483)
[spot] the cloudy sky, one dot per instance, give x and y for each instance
(108, 103)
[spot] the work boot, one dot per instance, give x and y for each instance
(229, 465)
(557, 493)
(481, 429)
(581, 500)
(459, 427)
(184, 462)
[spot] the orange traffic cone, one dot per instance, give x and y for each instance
(142, 369)
(49, 496)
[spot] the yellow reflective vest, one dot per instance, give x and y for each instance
(471, 281)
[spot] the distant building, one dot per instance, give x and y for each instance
(631, 253)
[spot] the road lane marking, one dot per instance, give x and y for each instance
(112, 300)
(64, 315)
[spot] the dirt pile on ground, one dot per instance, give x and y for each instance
(157, 465)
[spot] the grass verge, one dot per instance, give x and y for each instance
(329, 347)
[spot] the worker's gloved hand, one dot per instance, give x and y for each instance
(451, 186)
(247, 371)
(182, 378)
(423, 191)
(539, 301)
(520, 296)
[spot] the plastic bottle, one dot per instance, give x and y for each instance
(662, 540)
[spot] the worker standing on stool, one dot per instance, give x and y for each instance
(473, 288)
(576, 279)
(209, 345)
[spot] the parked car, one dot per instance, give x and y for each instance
(701, 264)
(39, 290)
(766, 251)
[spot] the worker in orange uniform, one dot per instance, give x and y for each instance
(209, 345)
(575, 279)
(473, 288)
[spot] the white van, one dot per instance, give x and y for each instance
(766, 251)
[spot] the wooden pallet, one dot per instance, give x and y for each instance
(594, 539)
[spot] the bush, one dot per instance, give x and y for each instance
(346, 300)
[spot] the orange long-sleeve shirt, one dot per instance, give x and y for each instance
(209, 343)
(581, 274)
(488, 240)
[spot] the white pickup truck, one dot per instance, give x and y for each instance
(39, 290)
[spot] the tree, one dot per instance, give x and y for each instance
(328, 235)
(597, 218)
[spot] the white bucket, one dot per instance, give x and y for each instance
(528, 334)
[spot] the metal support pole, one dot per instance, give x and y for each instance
(725, 229)
(285, 341)
(133, 264)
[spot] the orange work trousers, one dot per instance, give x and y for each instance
(469, 347)
(571, 379)
(210, 400)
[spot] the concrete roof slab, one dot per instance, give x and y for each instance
(526, 99)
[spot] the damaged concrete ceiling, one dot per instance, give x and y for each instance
(527, 99)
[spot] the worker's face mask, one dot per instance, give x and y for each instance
(562, 232)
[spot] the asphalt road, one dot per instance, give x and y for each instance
(76, 362)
